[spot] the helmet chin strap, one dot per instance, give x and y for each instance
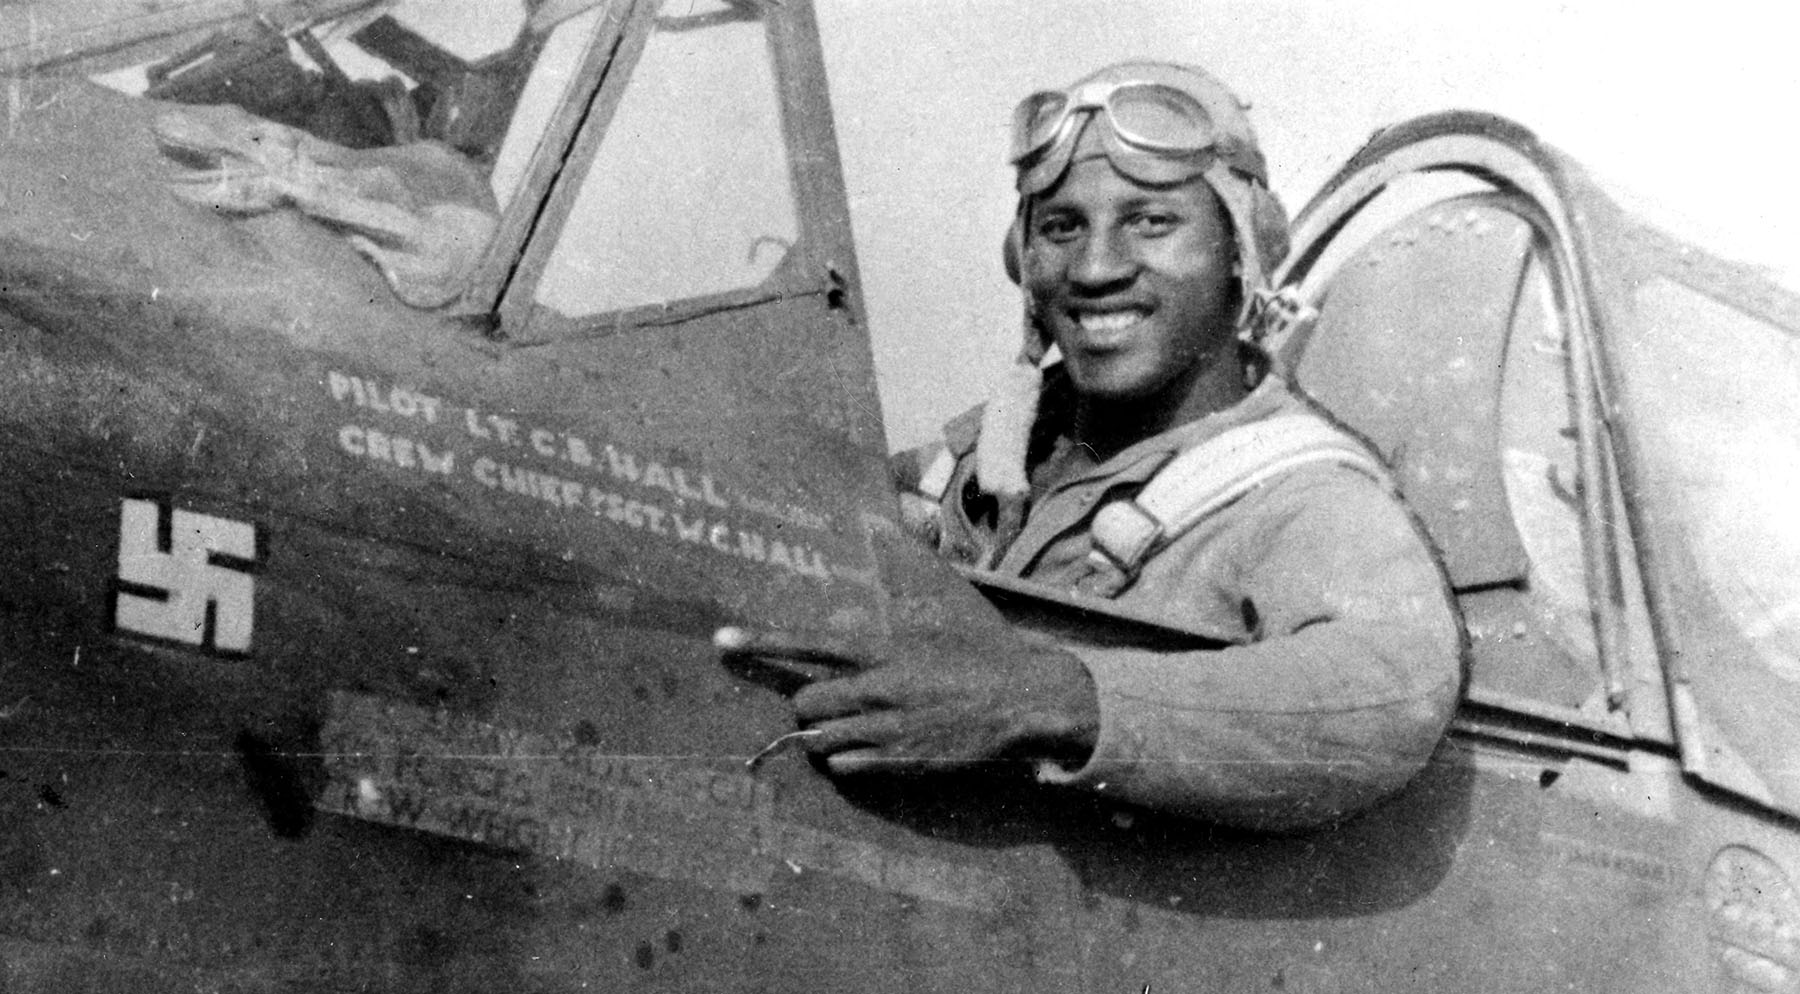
(1239, 198)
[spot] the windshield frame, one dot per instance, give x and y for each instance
(1541, 184)
(592, 94)
(821, 261)
(1705, 652)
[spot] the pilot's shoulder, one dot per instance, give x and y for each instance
(1307, 441)
(1330, 483)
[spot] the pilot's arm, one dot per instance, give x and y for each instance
(1346, 679)
(1338, 697)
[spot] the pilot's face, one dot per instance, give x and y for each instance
(1134, 283)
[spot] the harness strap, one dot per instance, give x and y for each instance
(1200, 481)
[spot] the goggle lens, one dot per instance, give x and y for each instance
(1157, 117)
(1151, 116)
(1035, 122)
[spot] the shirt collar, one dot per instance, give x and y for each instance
(1139, 461)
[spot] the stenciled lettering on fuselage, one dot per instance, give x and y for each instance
(1590, 855)
(561, 472)
(687, 819)
(185, 577)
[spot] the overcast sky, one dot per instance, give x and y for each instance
(1689, 105)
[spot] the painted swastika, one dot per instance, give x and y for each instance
(185, 576)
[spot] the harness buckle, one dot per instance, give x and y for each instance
(1277, 316)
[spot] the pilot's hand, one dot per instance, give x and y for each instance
(936, 702)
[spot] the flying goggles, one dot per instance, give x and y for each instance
(1157, 131)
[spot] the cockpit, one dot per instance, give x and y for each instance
(598, 199)
(1595, 422)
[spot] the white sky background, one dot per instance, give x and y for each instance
(1690, 106)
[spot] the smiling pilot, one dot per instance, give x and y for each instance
(1163, 464)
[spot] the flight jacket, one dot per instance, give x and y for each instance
(1341, 655)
